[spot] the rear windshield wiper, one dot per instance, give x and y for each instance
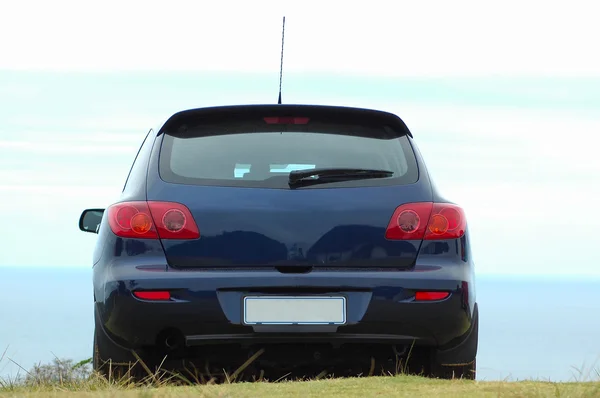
(327, 175)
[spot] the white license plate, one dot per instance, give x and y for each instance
(301, 310)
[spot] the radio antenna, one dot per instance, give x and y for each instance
(281, 62)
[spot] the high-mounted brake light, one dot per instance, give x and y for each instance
(427, 220)
(154, 295)
(152, 220)
(431, 296)
(286, 120)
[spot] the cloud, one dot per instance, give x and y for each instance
(20, 196)
(65, 148)
(19, 91)
(31, 144)
(84, 137)
(408, 38)
(108, 124)
(76, 177)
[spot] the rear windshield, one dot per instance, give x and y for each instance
(264, 158)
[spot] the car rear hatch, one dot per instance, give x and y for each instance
(231, 167)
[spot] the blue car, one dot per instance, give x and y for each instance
(295, 235)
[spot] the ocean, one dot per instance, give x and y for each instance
(530, 327)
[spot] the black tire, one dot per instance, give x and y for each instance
(114, 362)
(460, 361)
(464, 371)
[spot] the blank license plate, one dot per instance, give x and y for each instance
(304, 310)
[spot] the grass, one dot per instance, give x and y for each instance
(67, 379)
(390, 386)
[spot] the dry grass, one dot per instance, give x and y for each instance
(63, 379)
(391, 386)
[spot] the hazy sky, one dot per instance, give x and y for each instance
(504, 103)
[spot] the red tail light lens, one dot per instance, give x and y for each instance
(431, 296)
(174, 221)
(447, 221)
(156, 295)
(286, 120)
(131, 220)
(409, 221)
(426, 220)
(141, 223)
(124, 215)
(152, 220)
(438, 224)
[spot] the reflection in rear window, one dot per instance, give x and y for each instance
(242, 169)
(264, 159)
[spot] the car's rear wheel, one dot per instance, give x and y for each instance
(112, 361)
(459, 362)
(457, 371)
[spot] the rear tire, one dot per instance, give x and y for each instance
(114, 362)
(463, 371)
(460, 361)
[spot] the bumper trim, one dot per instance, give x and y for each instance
(333, 338)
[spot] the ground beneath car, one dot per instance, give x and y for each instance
(393, 386)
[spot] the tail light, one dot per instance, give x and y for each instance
(427, 220)
(152, 220)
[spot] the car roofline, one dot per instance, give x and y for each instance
(286, 110)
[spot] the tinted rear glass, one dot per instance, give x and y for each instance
(264, 156)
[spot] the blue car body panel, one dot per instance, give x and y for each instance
(276, 241)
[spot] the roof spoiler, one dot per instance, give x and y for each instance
(346, 115)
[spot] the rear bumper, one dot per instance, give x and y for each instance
(206, 307)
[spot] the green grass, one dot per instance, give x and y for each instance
(391, 386)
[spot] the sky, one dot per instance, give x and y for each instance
(503, 101)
